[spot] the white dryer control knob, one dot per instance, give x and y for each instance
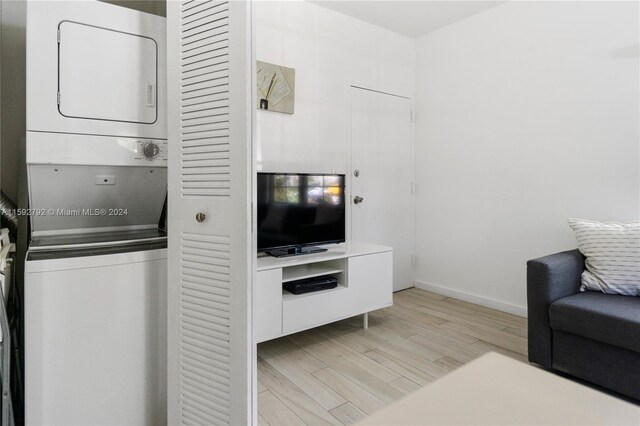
(151, 150)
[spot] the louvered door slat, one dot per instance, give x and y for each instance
(204, 122)
(219, 279)
(189, 10)
(220, 91)
(202, 149)
(194, 88)
(188, 326)
(194, 74)
(203, 386)
(209, 242)
(203, 32)
(216, 388)
(190, 321)
(218, 41)
(206, 156)
(204, 295)
(205, 393)
(215, 43)
(204, 284)
(196, 254)
(203, 410)
(213, 351)
(204, 18)
(206, 368)
(205, 132)
(192, 330)
(198, 27)
(188, 84)
(209, 63)
(213, 251)
(206, 94)
(201, 116)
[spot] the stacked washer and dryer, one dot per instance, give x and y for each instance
(95, 273)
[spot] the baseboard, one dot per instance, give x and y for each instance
(473, 298)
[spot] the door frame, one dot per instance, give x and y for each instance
(349, 178)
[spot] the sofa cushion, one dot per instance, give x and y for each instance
(608, 318)
(612, 251)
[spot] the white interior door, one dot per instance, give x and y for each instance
(382, 176)
(210, 174)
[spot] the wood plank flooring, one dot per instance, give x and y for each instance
(339, 373)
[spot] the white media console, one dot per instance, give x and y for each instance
(365, 283)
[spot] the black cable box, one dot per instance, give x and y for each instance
(308, 285)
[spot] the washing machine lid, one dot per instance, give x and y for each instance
(76, 199)
(107, 75)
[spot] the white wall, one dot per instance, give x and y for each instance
(527, 114)
(329, 51)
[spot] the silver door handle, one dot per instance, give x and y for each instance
(357, 199)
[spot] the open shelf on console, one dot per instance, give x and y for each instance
(310, 270)
(336, 268)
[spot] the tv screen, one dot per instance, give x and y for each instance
(300, 209)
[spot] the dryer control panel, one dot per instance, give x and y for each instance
(60, 148)
(150, 149)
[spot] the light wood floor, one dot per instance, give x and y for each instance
(340, 373)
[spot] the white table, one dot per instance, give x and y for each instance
(497, 390)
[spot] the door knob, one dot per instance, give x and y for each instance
(200, 217)
(357, 199)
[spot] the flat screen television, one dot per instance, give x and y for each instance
(297, 211)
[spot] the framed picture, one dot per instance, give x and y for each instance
(276, 87)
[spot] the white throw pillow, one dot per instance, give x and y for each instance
(612, 252)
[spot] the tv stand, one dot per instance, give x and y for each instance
(364, 273)
(295, 251)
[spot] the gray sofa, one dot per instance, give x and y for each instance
(592, 336)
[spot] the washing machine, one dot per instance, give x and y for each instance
(96, 267)
(95, 340)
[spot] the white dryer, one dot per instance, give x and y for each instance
(95, 68)
(95, 272)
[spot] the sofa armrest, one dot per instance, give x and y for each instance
(549, 278)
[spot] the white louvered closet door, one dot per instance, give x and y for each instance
(209, 113)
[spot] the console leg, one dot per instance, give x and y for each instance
(365, 320)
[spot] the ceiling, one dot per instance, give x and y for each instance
(411, 18)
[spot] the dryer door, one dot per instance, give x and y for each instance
(106, 75)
